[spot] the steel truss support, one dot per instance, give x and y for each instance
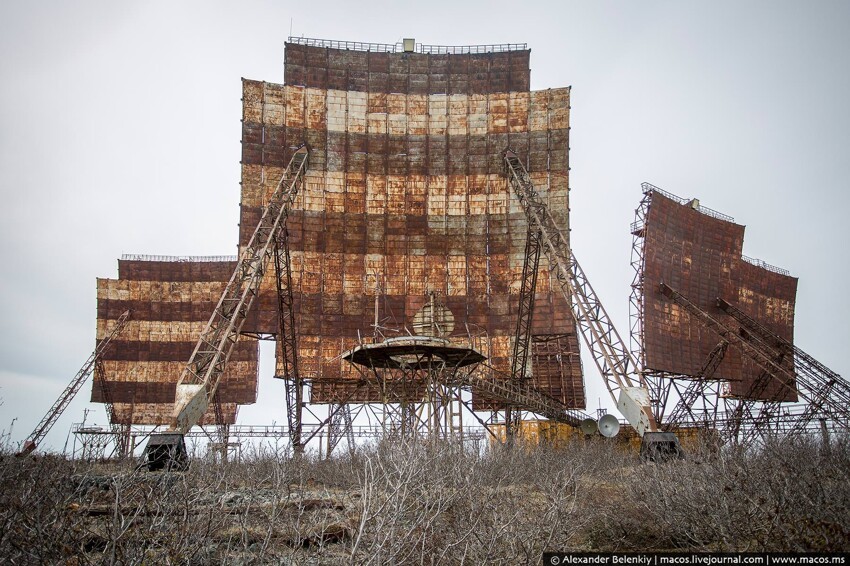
(747, 415)
(288, 341)
(698, 388)
(121, 433)
(335, 412)
(618, 368)
(221, 441)
(524, 396)
(815, 410)
(200, 379)
(366, 424)
(525, 316)
(55, 411)
(829, 393)
(423, 396)
(340, 426)
(638, 231)
(659, 385)
(436, 415)
(803, 384)
(93, 446)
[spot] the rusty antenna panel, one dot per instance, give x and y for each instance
(405, 229)
(714, 328)
(406, 199)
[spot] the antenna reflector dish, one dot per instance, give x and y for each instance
(609, 426)
(588, 426)
(433, 319)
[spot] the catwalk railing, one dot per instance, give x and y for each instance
(399, 47)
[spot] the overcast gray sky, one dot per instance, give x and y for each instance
(119, 133)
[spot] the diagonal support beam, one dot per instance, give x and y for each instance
(523, 396)
(613, 359)
(609, 352)
(200, 378)
(696, 388)
(756, 350)
(68, 394)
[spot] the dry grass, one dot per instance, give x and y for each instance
(414, 503)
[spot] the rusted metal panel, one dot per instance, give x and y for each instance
(556, 366)
(415, 73)
(154, 414)
(170, 301)
(694, 254)
(700, 256)
(330, 391)
(769, 298)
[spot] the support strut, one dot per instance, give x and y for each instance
(807, 384)
(525, 315)
(287, 341)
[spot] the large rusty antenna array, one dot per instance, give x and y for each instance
(408, 296)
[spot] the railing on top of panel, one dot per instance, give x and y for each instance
(649, 187)
(335, 44)
(714, 214)
(179, 258)
(765, 265)
(475, 49)
(399, 47)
